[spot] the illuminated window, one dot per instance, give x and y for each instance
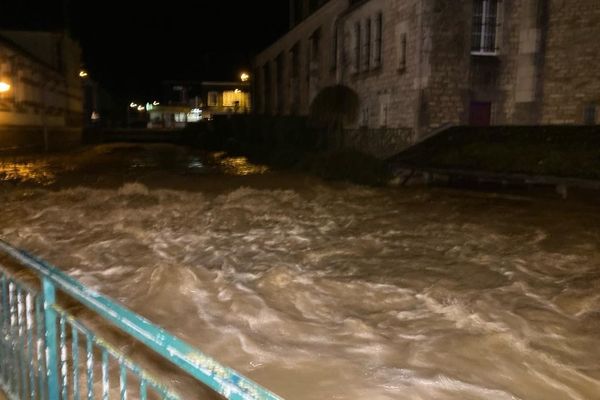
(486, 23)
(194, 115)
(213, 99)
(234, 98)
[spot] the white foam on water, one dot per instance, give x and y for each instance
(340, 292)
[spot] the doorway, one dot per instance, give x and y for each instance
(480, 113)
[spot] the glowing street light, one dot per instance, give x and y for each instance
(83, 74)
(133, 105)
(244, 77)
(141, 108)
(155, 103)
(4, 87)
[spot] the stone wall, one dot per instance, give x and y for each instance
(387, 88)
(446, 37)
(381, 142)
(276, 82)
(572, 60)
(543, 69)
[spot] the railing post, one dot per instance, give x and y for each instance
(51, 342)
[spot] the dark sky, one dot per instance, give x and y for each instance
(131, 46)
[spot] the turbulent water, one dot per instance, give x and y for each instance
(321, 291)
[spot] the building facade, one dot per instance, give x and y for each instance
(43, 93)
(289, 74)
(418, 66)
(224, 98)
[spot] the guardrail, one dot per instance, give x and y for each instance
(47, 353)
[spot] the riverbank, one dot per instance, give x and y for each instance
(558, 156)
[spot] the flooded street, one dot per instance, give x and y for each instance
(326, 291)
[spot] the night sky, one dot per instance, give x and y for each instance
(131, 46)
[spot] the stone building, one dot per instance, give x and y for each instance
(41, 103)
(418, 66)
(290, 73)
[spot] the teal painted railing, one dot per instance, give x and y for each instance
(47, 353)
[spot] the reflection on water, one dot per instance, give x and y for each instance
(38, 172)
(125, 160)
(239, 166)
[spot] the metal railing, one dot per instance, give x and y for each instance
(47, 353)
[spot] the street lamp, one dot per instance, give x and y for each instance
(83, 74)
(4, 87)
(244, 77)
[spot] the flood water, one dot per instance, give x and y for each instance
(326, 291)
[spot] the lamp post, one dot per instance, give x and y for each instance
(245, 77)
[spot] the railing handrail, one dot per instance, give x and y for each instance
(224, 380)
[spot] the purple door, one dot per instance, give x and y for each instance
(480, 113)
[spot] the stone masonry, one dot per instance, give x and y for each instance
(572, 62)
(422, 65)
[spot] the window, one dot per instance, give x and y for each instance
(364, 119)
(384, 102)
(590, 114)
(315, 48)
(280, 67)
(295, 78)
(486, 22)
(213, 99)
(334, 47)
(233, 98)
(180, 117)
(402, 48)
(378, 40)
(367, 46)
(357, 47)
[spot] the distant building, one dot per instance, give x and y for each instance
(223, 98)
(192, 101)
(420, 65)
(42, 92)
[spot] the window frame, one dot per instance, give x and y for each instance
(378, 40)
(485, 30)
